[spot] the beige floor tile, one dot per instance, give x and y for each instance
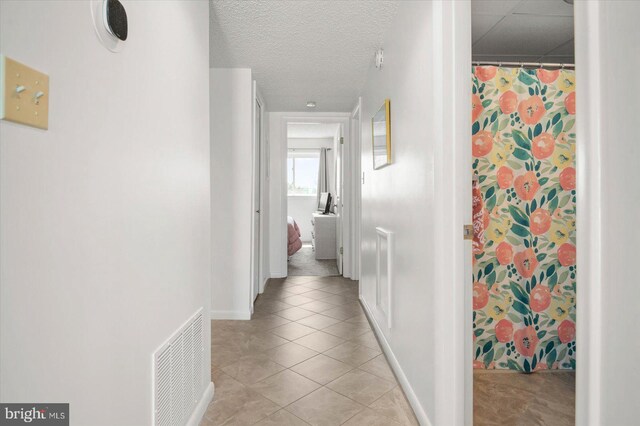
(300, 279)
(322, 369)
(318, 321)
(260, 341)
(319, 341)
(252, 369)
(285, 387)
(368, 417)
(224, 356)
(394, 405)
(352, 353)
(379, 367)
(299, 290)
(361, 386)
(269, 306)
(234, 403)
(317, 294)
(294, 314)
(315, 285)
(292, 331)
(282, 418)
(359, 319)
(343, 312)
(335, 288)
(325, 407)
(367, 339)
(290, 354)
(347, 330)
(268, 322)
(297, 300)
(317, 306)
(339, 299)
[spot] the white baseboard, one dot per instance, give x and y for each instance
(201, 408)
(230, 315)
(419, 411)
(278, 274)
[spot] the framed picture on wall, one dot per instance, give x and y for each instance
(381, 136)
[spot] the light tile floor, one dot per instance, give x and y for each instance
(308, 356)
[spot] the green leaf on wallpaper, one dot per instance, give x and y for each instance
(519, 230)
(494, 116)
(513, 365)
(521, 307)
(518, 215)
(537, 130)
(499, 352)
(500, 198)
(519, 292)
(556, 118)
(527, 367)
(490, 203)
(572, 363)
(531, 91)
(487, 347)
(494, 128)
(557, 129)
(543, 180)
(551, 270)
(563, 277)
(548, 106)
(490, 192)
(521, 154)
(475, 128)
(551, 358)
(521, 139)
(488, 358)
(478, 331)
(552, 193)
(526, 78)
(503, 124)
(541, 257)
(485, 103)
(513, 240)
(534, 204)
(491, 279)
(519, 89)
(501, 275)
(515, 318)
(569, 125)
(553, 205)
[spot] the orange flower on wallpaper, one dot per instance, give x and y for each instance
(505, 177)
(482, 143)
(480, 295)
(543, 145)
(566, 331)
(476, 107)
(486, 73)
(568, 179)
(504, 253)
(504, 331)
(570, 103)
(526, 186)
(567, 254)
(531, 110)
(508, 102)
(540, 221)
(547, 76)
(526, 340)
(540, 298)
(526, 262)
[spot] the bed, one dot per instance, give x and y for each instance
(294, 243)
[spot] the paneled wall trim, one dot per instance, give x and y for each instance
(384, 276)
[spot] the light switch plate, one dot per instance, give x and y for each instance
(24, 94)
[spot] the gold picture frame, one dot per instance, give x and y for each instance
(381, 136)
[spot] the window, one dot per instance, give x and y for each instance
(302, 172)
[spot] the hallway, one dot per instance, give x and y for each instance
(308, 356)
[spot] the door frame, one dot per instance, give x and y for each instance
(452, 37)
(257, 167)
(316, 117)
(356, 188)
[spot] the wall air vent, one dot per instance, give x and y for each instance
(178, 374)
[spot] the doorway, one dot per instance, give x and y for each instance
(524, 214)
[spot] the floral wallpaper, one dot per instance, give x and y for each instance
(524, 273)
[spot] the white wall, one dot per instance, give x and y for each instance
(104, 218)
(607, 58)
(401, 198)
(301, 207)
(231, 191)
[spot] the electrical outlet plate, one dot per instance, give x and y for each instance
(29, 106)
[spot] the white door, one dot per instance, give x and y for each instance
(256, 199)
(338, 199)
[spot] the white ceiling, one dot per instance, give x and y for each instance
(522, 31)
(301, 51)
(311, 130)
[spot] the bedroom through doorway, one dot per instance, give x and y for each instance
(313, 199)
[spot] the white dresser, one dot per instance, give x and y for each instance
(323, 236)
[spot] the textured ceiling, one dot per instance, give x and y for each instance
(522, 31)
(312, 130)
(301, 51)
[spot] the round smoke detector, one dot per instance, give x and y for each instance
(110, 23)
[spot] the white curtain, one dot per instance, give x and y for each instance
(323, 177)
